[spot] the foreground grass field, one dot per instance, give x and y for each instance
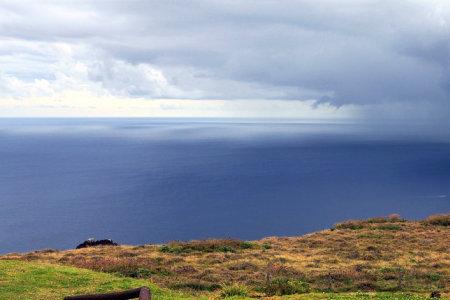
(379, 258)
(25, 280)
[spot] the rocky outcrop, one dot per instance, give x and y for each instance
(93, 243)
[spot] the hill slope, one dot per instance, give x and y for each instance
(25, 280)
(380, 254)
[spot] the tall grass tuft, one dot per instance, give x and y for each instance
(441, 220)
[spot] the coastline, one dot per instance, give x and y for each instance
(374, 255)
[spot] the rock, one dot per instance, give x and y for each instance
(92, 243)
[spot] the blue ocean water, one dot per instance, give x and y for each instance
(153, 180)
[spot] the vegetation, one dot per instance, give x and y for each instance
(39, 281)
(207, 246)
(285, 286)
(378, 258)
(442, 220)
(234, 290)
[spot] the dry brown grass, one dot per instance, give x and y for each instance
(443, 219)
(382, 254)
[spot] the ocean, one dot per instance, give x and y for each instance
(140, 181)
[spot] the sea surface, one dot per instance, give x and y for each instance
(142, 181)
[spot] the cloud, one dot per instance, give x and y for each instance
(382, 56)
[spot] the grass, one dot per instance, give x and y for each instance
(357, 296)
(376, 258)
(206, 246)
(285, 286)
(234, 291)
(25, 280)
(442, 220)
(39, 281)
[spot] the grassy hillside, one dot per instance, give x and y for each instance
(25, 280)
(384, 255)
(39, 281)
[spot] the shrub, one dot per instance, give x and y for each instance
(442, 220)
(212, 245)
(173, 249)
(285, 286)
(433, 277)
(197, 286)
(246, 245)
(266, 246)
(392, 218)
(225, 249)
(136, 273)
(360, 224)
(388, 227)
(352, 224)
(234, 290)
(45, 251)
(366, 286)
(377, 220)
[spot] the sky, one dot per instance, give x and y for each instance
(311, 59)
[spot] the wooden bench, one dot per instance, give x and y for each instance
(141, 293)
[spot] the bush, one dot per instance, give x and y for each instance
(441, 220)
(360, 224)
(388, 227)
(434, 277)
(234, 290)
(136, 273)
(246, 245)
(266, 246)
(285, 286)
(353, 225)
(172, 249)
(225, 249)
(197, 286)
(212, 245)
(392, 218)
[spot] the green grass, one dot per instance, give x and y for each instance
(347, 296)
(25, 280)
(31, 280)
(358, 296)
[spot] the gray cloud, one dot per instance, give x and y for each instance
(343, 52)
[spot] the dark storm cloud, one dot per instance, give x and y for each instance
(341, 52)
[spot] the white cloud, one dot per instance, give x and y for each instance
(76, 80)
(370, 53)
